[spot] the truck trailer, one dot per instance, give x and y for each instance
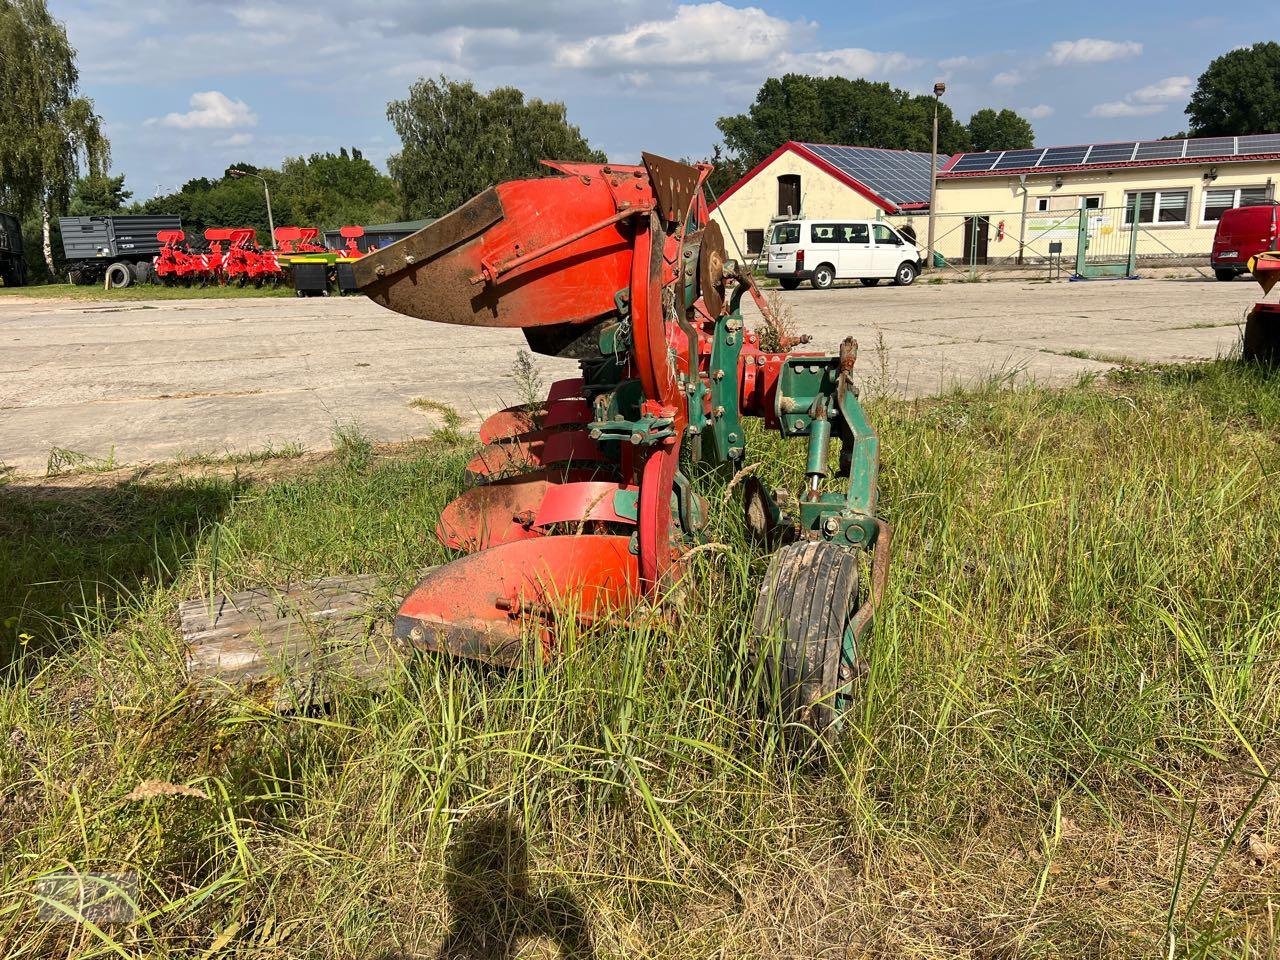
(117, 248)
(13, 265)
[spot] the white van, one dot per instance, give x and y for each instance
(824, 251)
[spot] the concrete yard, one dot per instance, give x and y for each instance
(132, 382)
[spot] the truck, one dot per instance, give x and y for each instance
(117, 248)
(13, 265)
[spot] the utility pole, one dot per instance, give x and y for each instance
(939, 89)
(271, 223)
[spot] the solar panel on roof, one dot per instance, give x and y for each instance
(1260, 143)
(970, 162)
(1160, 149)
(1014, 159)
(899, 176)
(1212, 147)
(1110, 153)
(1062, 156)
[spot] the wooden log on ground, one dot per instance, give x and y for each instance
(303, 640)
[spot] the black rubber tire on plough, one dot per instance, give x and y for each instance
(809, 595)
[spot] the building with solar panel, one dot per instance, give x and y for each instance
(1009, 206)
(819, 181)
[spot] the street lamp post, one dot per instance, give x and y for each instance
(271, 223)
(939, 89)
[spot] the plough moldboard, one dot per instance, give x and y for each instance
(588, 503)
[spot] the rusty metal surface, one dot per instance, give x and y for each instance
(711, 257)
(674, 184)
(468, 221)
(880, 561)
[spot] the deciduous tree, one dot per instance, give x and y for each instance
(457, 142)
(1239, 94)
(1000, 130)
(47, 130)
(837, 110)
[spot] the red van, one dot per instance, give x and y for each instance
(1243, 232)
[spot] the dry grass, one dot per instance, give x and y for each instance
(1063, 748)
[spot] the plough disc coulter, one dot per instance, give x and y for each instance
(586, 505)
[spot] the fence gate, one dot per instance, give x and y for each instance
(1105, 245)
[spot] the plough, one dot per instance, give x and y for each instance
(233, 257)
(590, 504)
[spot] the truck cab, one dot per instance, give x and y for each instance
(823, 251)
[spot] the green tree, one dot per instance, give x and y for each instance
(46, 129)
(837, 110)
(1002, 130)
(457, 142)
(1238, 94)
(325, 190)
(98, 194)
(333, 189)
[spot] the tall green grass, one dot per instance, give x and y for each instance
(1062, 747)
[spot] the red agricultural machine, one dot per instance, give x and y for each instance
(589, 504)
(299, 240)
(1262, 328)
(233, 257)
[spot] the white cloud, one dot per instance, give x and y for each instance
(1164, 91)
(1123, 108)
(235, 140)
(957, 63)
(696, 35)
(1089, 50)
(1147, 100)
(1009, 78)
(847, 62)
(1039, 111)
(210, 110)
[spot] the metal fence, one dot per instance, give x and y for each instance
(1088, 242)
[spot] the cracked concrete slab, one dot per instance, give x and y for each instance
(136, 382)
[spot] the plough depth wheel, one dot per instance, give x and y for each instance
(803, 627)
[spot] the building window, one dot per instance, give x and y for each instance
(1091, 203)
(1042, 204)
(789, 195)
(755, 241)
(1158, 206)
(1219, 200)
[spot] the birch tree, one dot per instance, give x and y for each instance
(47, 130)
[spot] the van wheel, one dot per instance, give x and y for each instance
(869, 281)
(119, 275)
(789, 283)
(906, 274)
(823, 277)
(1225, 275)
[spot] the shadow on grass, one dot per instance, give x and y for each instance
(69, 556)
(493, 905)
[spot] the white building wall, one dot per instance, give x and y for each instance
(755, 202)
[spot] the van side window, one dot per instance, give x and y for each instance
(886, 235)
(822, 233)
(854, 233)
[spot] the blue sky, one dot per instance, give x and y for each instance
(187, 88)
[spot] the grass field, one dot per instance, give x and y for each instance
(139, 291)
(1064, 744)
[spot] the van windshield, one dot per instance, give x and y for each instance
(786, 233)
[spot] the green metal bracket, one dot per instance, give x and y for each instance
(815, 395)
(728, 438)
